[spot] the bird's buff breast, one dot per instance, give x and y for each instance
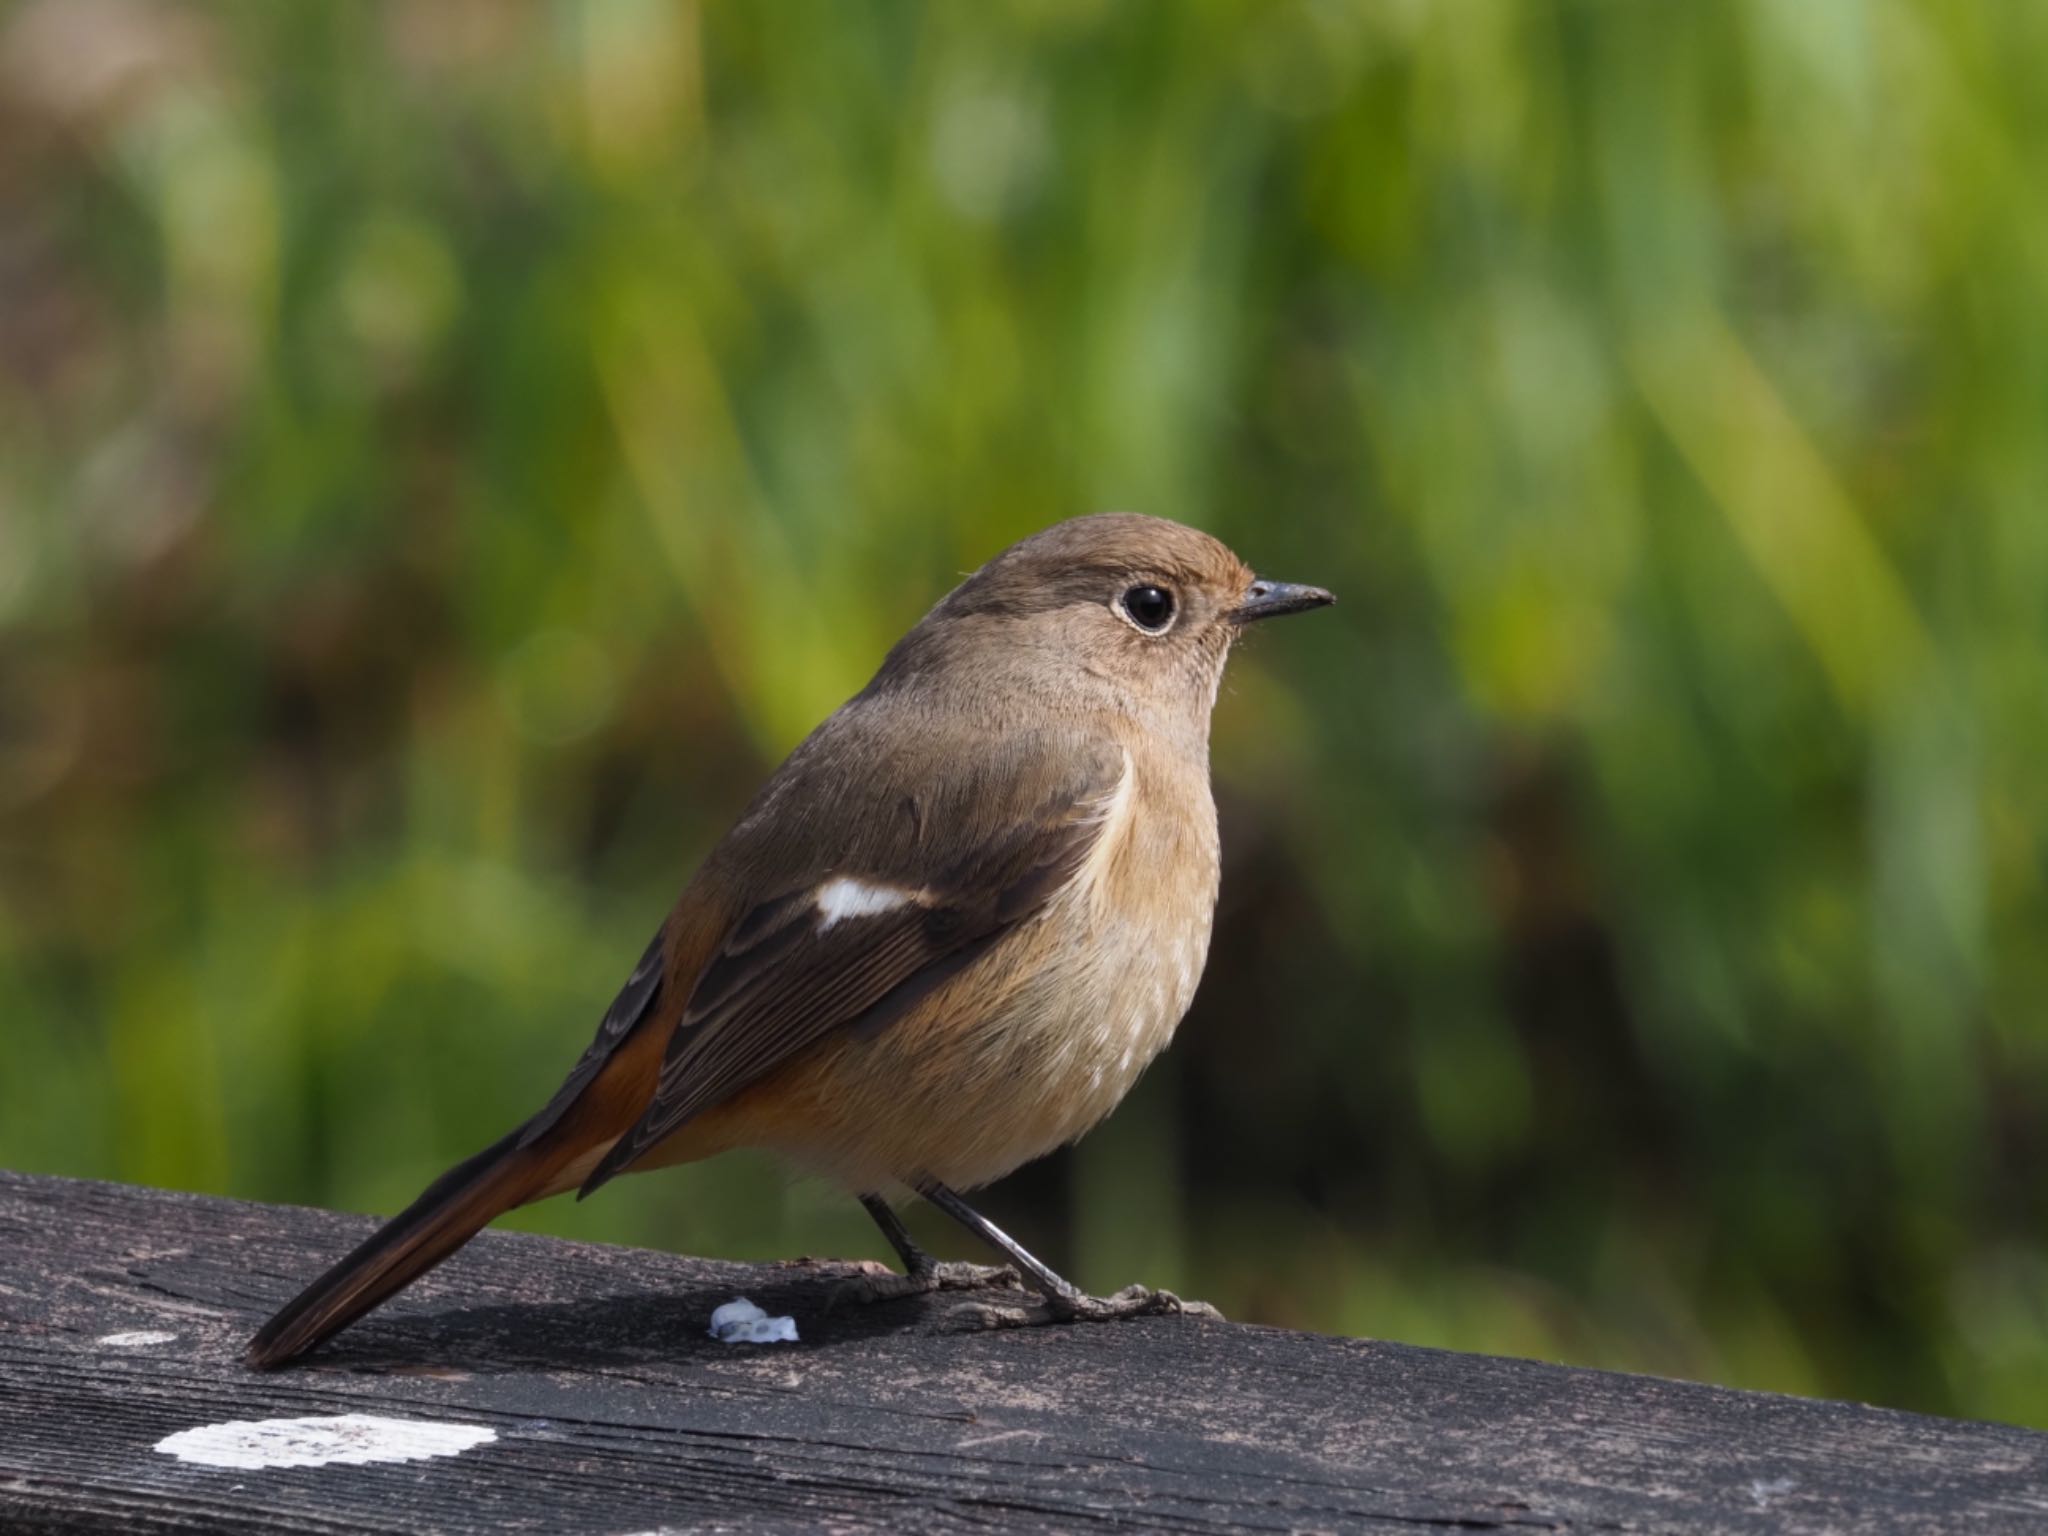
(1035, 1042)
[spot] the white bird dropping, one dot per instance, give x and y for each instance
(741, 1322)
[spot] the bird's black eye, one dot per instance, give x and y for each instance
(1150, 608)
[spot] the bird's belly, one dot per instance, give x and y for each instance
(1021, 1053)
(1063, 1050)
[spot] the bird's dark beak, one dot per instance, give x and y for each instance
(1269, 599)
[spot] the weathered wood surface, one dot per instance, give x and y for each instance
(614, 1413)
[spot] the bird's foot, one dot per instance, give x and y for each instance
(878, 1284)
(1074, 1307)
(1131, 1301)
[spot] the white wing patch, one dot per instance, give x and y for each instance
(843, 897)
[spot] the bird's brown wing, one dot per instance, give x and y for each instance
(974, 857)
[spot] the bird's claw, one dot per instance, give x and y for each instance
(887, 1285)
(1131, 1301)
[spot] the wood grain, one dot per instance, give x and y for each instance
(616, 1414)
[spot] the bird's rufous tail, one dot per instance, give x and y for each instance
(471, 1195)
(455, 1207)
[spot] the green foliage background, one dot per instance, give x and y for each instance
(449, 452)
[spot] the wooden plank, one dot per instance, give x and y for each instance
(613, 1412)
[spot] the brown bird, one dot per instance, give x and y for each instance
(945, 938)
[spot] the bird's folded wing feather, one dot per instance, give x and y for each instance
(865, 899)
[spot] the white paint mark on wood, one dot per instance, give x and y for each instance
(741, 1322)
(141, 1339)
(348, 1439)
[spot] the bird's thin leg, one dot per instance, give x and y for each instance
(922, 1273)
(915, 1260)
(1064, 1303)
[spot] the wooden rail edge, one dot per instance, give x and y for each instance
(572, 1387)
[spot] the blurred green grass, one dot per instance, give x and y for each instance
(448, 453)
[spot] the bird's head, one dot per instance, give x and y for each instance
(1138, 606)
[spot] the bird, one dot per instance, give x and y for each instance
(943, 940)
